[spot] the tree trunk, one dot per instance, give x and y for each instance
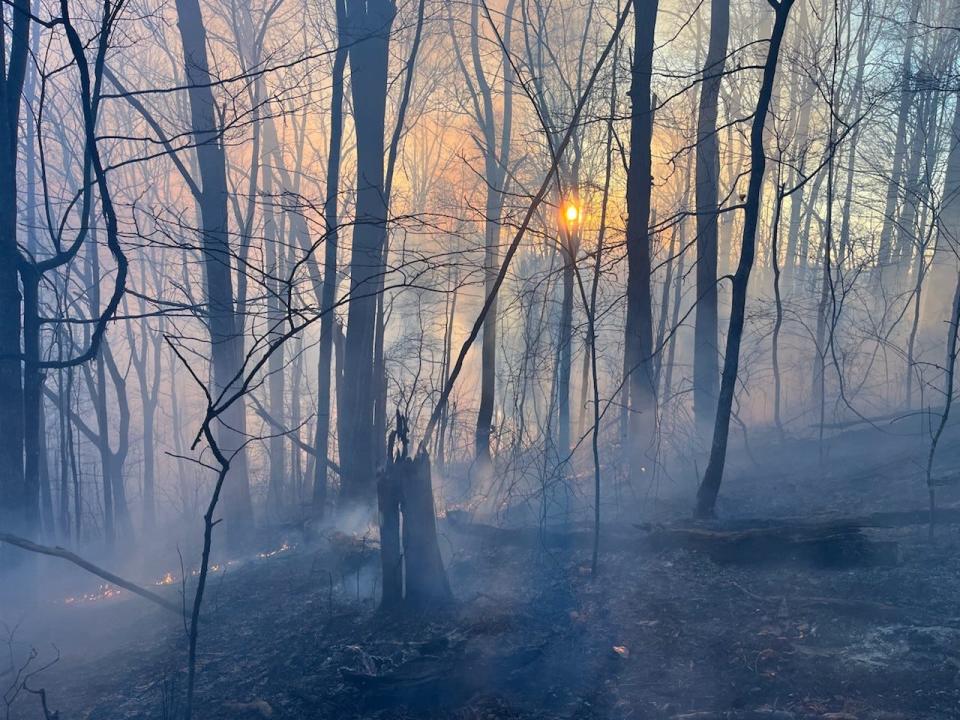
(565, 349)
(226, 339)
(425, 579)
(32, 395)
(414, 580)
(638, 341)
(368, 24)
(275, 291)
(710, 485)
(862, 49)
(706, 367)
(15, 510)
(391, 559)
(328, 322)
(495, 172)
(900, 144)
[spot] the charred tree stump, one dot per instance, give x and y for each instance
(391, 560)
(426, 579)
(413, 577)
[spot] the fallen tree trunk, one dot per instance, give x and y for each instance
(831, 544)
(824, 542)
(64, 554)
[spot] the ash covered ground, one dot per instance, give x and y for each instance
(660, 632)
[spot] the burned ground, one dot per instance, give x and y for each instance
(658, 633)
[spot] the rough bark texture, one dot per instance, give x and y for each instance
(391, 560)
(426, 584)
(414, 580)
(368, 27)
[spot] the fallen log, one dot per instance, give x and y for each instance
(946, 515)
(828, 545)
(64, 554)
(949, 515)
(822, 542)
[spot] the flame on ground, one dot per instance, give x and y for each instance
(283, 548)
(103, 592)
(107, 591)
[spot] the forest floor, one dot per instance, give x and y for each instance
(656, 634)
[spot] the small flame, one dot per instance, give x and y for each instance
(103, 592)
(283, 548)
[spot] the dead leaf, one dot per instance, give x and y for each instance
(622, 650)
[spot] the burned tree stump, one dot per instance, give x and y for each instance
(413, 574)
(391, 560)
(426, 579)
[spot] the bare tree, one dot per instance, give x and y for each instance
(710, 484)
(638, 338)
(706, 369)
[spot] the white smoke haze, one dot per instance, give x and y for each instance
(657, 302)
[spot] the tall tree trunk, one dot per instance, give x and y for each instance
(778, 311)
(368, 24)
(943, 264)
(565, 348)
(638, 339)
(275, 290)
(17, 510)
(226, 339)
(32, 390)
(862, 49)
(453, 279)
(710, 485)
(906, 229)
(496, 160)
(795, 259)
(899, 143)
(328, 322)
(706, 366)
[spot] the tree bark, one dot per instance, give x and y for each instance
(226, 339)
(368, 24)
(329, 291)
(496, 159)
(15, 504)
(706, 366)
(638, 341)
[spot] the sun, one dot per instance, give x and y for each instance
(572, 213)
